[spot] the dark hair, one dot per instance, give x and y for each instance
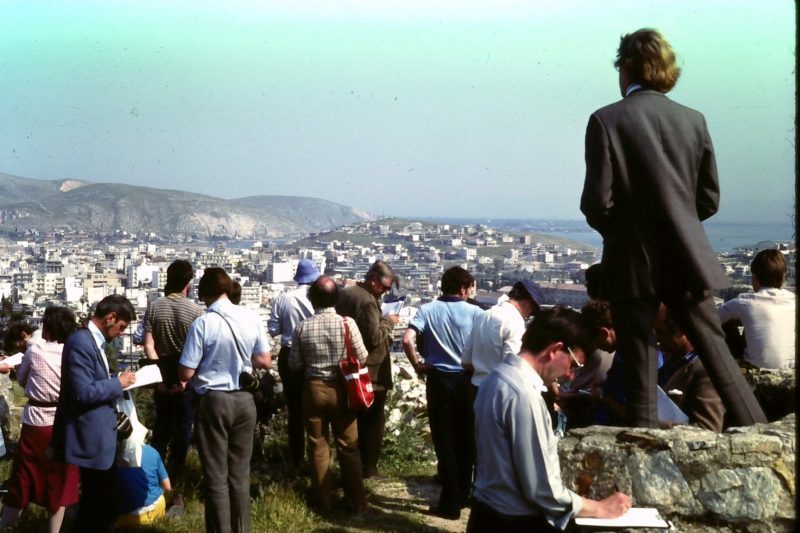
(770, 267)
(553, 325)
(596, 315)
(58, 323)
(14, 333)
(456, 278)
(116, 303)
(214, 283)
(236, 293)
(648, 58)
(179, 273)
(592, 276)
(323, 293)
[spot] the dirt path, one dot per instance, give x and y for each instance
(413, 496)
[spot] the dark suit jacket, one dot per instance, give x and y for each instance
(86, 420)
(699, 400)
(651, 177)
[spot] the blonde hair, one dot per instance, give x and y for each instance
(648, 59)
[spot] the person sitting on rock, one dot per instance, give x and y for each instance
(767, 314)
(683, 376)
(141, 490)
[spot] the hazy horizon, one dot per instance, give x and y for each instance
(410, 108)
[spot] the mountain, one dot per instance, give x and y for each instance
(72, 205)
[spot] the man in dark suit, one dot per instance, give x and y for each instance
(86, 421)
(651, 178)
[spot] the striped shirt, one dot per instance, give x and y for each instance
(318, 345)
(168, 320)
(40, 374)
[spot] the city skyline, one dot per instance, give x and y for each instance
(409, 109)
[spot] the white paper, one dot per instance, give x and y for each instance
(147, 375)
(635, 517)
(668, 411)
(392, 308)
(13, 360)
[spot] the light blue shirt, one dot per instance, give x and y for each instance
(211, 350)
(288, 310)
(445, 325)
(518, 472)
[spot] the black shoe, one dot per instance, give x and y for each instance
(449, 514)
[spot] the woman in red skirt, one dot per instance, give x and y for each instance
(35, 477)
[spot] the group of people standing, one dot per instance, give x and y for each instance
(651, 179)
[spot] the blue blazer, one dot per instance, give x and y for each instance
(86, 422)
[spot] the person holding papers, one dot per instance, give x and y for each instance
(518, 485)
(34, 477)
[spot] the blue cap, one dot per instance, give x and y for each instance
(533, 289)
(307, 272)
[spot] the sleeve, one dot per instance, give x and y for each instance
(274, 322)
(535, 453)
(263, 344)
(375, 330)
(356, 342)
(295, 356)
(419, 321)
(512, 338)
(24, 368)
(729, 311)
(83, 383)
(597, 201)
(707, 197)
(192, 352)
(147, 320)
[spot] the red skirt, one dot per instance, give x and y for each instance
(35, 478)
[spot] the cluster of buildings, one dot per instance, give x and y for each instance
(78, 272)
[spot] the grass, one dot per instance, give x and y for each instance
(279, 491)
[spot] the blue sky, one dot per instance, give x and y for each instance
(449, 108)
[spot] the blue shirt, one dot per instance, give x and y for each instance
(141, 486)
(445, 325)
(518, 471)
(212, 351)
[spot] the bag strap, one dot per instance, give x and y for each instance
(235, 338)
(350, 357)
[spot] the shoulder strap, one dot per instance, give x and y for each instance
(235, 339)
(347, 345)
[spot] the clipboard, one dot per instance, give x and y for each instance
(644, 517)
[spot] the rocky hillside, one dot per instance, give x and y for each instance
(72, 205)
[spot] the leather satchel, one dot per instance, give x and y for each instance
(359, 385)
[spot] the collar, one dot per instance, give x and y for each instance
(219, 305)
(97, 335)
(632, 88)
(175, 296)
(530, 375)
(450, 298)
(325, 311)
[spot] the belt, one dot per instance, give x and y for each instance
(37, 403)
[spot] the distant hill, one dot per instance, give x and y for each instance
(72, 205)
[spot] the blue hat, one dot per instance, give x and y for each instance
(307, 272)
(533, 289)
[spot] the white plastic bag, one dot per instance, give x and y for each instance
(129, 451)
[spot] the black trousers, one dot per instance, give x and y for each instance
(452, 422)
(370, 433)
(292, 381)
(98, 505)
(697, 316)
(172, 431)
(484, 519)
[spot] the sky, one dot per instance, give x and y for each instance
(460, 108)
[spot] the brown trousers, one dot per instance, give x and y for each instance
(324, 407)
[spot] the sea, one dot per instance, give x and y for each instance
(724, 236)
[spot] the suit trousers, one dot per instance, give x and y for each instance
(325, 406)
(225, 425)
(97, 508)
(370, 433)
(697, 316)
(452, 422)
(292, 382)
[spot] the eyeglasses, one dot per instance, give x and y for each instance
(575, 364)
